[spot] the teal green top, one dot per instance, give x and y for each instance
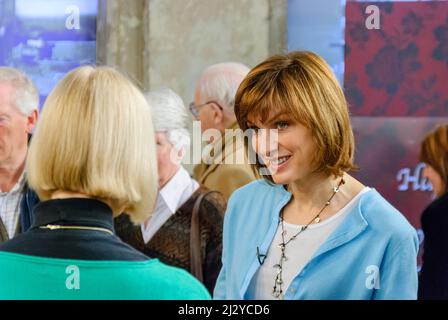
(30, 278)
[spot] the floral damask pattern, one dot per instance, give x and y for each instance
(402, 68)
(390, 66)
(441, 34)
(412, 23)
(396, 81)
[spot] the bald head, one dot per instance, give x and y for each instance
(220, 82)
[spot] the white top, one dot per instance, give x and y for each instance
(298, 252)
(170, 198)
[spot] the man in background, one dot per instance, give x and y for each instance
(213, 106)
(19, 102)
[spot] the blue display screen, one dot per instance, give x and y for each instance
(47, 38)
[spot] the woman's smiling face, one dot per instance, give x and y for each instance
(285, 146)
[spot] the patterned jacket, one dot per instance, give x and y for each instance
(171, 243)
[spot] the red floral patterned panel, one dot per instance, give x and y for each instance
(400, 69)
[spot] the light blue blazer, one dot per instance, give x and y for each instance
(371, 255)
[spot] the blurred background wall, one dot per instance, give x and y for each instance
(170, 42)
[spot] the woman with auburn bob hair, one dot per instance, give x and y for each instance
(309, 230)
(434, 220)
(92, 157)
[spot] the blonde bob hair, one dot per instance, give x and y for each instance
(301, 85)
(434, 152)
(95, 137)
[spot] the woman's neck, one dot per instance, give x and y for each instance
(310, 195)
(60, 194)
(313, 190)
(117, 209)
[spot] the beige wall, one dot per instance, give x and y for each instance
(170, 42)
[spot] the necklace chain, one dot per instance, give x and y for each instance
(277, 290)
(57, 227)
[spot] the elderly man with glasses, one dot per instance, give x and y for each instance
(213, 106)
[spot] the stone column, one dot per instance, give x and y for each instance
(121, 36)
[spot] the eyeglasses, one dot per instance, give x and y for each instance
(194, 109)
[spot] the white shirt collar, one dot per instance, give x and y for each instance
(170, 198)
(172, 193)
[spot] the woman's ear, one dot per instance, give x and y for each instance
(180, 154)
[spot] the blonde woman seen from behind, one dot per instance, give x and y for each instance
(92, 157)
